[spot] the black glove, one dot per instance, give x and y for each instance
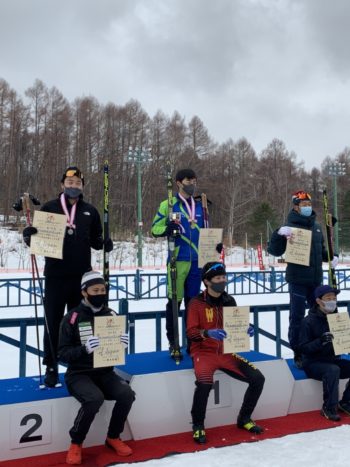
(27, 233)
(326, 338)
(219, 247)
(173, 230)
(108, 245)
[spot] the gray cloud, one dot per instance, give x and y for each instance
(255, 68)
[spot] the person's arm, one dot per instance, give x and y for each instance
(277, 244)
(308, 344)
(68, 351)
(160, 221)
(96, 237)
(193, 331)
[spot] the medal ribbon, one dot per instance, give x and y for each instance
(71, 217)
(191, 210)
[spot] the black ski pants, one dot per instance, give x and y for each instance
(329, 374)
(91, 388)
(205, 364)
(59, 293)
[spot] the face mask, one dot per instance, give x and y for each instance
(189, 189)
(72, 192)
(97, 301)
(306, 211)
(218, 287)
(329, 306)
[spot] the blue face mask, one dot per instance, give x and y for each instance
(306, 211)
(72, 193)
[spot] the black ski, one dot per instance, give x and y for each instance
(330, 221)
(176, 351)
(106, 225)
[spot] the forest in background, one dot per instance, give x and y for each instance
(41, 133)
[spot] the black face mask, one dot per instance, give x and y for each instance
(73, 193)
(189, 189)
(97, 301)
(218, 287)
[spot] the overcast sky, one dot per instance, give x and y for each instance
(262, 69)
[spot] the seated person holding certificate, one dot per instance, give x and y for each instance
(319, 359)
(205, 332)
(89, 385)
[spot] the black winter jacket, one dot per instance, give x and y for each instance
(311, 275)
(312, 328)
(75, 329)
(76, 248)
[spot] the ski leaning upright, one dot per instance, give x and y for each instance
(330, 221)
(106, 225)
(175, 352)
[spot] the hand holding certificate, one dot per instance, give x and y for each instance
(236, 323)
(339, 326)
(298, 247)
(111, 350)
(49, 239)
(208, 239)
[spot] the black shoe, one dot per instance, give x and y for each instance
(344, 407)
(298, 362)
(250, 426)
(175, 354)
(51, 377)
(199, 434)
(331, 414)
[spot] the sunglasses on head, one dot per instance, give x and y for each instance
(302, 195)
(216, 266)
(72, 172)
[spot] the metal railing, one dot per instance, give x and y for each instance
(19, 292)
(256, 311)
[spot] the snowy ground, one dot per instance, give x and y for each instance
(322, 448)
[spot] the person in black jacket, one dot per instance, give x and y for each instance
(91, 386)
(319, 359)
(302, 280)
(63, 276)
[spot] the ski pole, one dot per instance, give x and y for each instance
(106, 225)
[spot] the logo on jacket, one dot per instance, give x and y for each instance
(209, 314)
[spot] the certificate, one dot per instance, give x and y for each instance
(298, 247)
(236, 323)
(49, 239)
(110, 351)
(339, 326)
(208, 239)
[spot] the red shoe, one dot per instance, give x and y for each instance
(74, 454)
(118, 446)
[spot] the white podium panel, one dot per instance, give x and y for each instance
(164, 400)
(41, 427)
(308, 395)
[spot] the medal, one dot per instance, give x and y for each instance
(71, 217)
(191, 210)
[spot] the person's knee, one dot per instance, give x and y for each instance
(203, 387)
(93, 406)
(257, 379)
(333, 372)
(126, 394)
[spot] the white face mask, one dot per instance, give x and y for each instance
(329, 306)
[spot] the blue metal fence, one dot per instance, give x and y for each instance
(256, 311)
(18, 292)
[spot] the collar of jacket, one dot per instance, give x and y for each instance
(81, 196)
(224, 298)
(294, 218)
